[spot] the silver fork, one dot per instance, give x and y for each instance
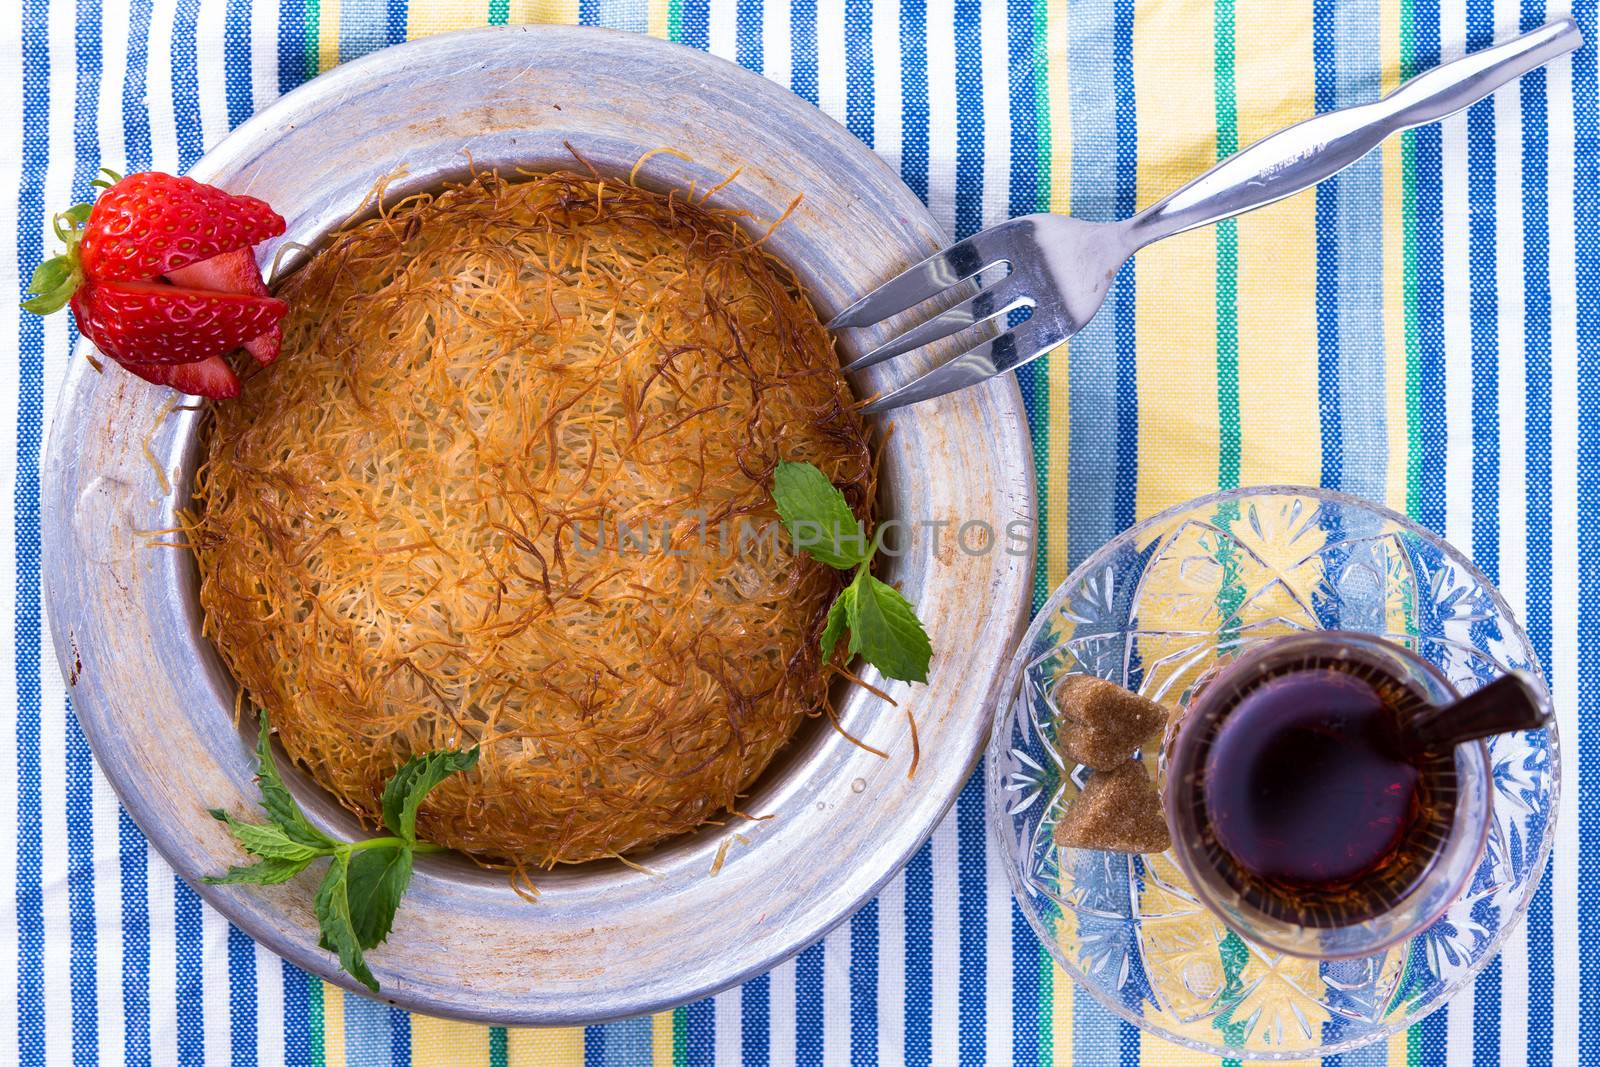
(1062, 267)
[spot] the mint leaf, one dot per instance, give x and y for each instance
(377, 880)
(404, 794)
(277, 800)
(818, 518)
(838, 616)
(885, 630)
(339, 935)
(268, 840)
(269, 871)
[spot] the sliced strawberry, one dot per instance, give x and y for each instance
(211, 378)
(233, 272)
(147, 322)
(151, 224)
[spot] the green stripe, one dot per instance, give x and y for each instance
(1047, 1002)
(314, 36)
(1408, 199)
(675, 22)
(499, 1054)
(315, 1032)
(1228, 444)
(680, 1018)
(499, 12)
(1038, 372)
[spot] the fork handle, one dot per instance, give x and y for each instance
(1306, 153)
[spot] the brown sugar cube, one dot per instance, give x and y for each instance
(1118, 811)
(1101, 723)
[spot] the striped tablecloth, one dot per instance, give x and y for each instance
(1423, 331)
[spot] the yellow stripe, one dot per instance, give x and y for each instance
(661, 1029)
(1280, 433)
(1062, 989)
(328, 35)
(1059, 392)
(658, 28)
(559, 12)
(545, 1048)
(1177, 307)
(1394, 309)
(1399, 1049)
(447, 1043)
(332, 1025)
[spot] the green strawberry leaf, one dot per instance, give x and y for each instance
(411, 784)
(269, 871)
(339, 935)
(268, 840)
(818, 518)
(838, 616)
(53, 283)
(885, 630)
(377, 880)
(279, 803)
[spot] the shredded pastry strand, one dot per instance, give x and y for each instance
(419, 528)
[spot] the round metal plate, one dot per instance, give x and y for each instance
(603, 941)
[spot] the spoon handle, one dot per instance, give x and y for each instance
(1515, 702)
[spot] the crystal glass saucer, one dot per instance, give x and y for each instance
(1153, 610)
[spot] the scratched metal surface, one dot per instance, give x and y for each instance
(603, 942)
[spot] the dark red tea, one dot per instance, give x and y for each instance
(1307, 803)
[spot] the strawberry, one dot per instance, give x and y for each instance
(211, 378)
(150, 224)
(148, 322)
(233, 272)
(161, 276)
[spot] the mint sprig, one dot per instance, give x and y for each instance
(361, 891)
(884, 628)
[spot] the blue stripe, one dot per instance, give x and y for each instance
(185, 84)
(368, 1040)
(1029, 180)
(1127, 186)
(700, 1033)
(631, 15)
(803, 43)
(808, 1004)
(189, 973)
(1428, 234)
(588, 12)
(399, 1038)
(242, 996)
(1327, 215)
(1092, 452)
(364, 27)
(969, 118)
(135, 115)
(694, 24)
(747, 35)
(625, 1042)
(80, 895)
(1587, 219)
(292, 65)
(133, 859)
(594, 1046)
(864, 986)
(859, 74)
(973, 883)
(25, 497)
(296, 1014)
(1536, 341)
(236, 62)
(914, 97)
(755, 1021)
(79, 761)
(919, 958)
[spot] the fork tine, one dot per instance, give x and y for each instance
(1009, 351)
(927, 279)
(998, 299)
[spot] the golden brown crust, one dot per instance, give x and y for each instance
(388, 521)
